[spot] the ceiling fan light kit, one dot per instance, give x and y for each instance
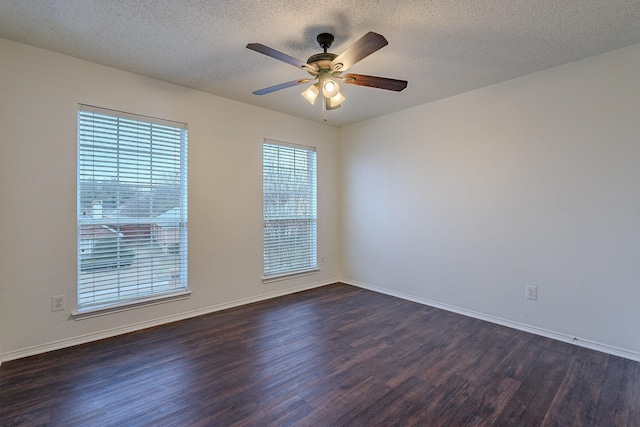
(327, 69)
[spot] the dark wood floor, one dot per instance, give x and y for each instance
(332, 356)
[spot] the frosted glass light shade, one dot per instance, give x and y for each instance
(311, 93)
(335, 101)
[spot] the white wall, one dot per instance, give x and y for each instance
(39, 95)
(535, 181)
(460, 202)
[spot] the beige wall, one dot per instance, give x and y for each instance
(39, 95)
(536, 181)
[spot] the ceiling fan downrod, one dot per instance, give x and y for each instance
(325, 40)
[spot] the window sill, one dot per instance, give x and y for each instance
(131, 305)
(286, 276)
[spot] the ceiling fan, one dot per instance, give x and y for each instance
(328, 68)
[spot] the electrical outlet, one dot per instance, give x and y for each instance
(322, 261)
(57, 303)
(532, 292)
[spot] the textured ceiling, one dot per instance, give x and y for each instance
(442, 47)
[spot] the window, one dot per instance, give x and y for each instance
(132, 208)
(289, 209)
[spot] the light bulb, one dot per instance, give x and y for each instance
(329, 87)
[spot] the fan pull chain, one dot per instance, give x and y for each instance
(324, 109)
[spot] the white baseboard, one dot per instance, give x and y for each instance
(83, 339)
(604, 348)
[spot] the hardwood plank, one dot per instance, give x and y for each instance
(485, 402)
(579, 393)
(619, 397)
(336, 355)
(531, 402)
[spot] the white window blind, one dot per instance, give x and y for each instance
(132, 208)
(289, 209)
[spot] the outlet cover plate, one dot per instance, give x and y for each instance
(532, 292)
(57, 303)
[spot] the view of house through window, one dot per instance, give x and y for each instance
(289, 209)
(132, 207)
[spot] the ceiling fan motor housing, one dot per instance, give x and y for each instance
(322, 60)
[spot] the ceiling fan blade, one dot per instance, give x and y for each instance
(281, 86)
(266, 50)
(362, 48)
(373, 81)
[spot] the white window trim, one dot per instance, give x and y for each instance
(291, 275)
(130, 305)
(181, 293)
(312, 269)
